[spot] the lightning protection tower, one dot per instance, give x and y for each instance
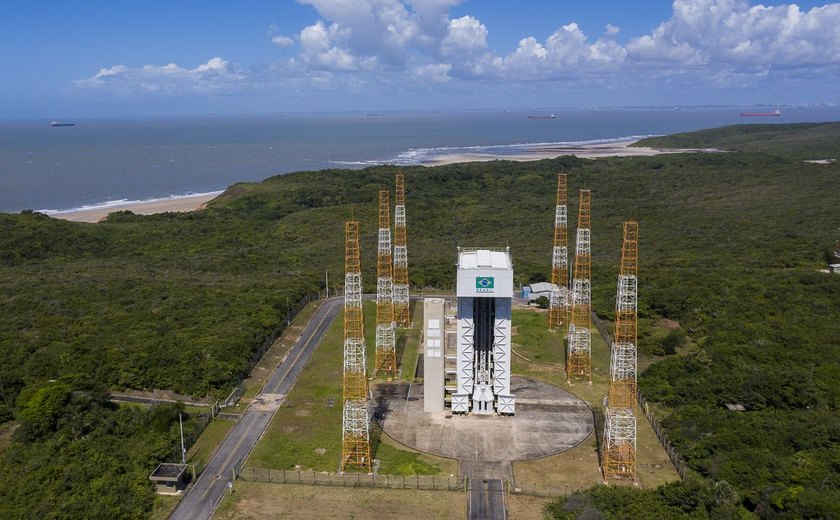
(620, 428)
(386, 357)
(355, 441)
(578, 359)
(401, 313)
(557, 305)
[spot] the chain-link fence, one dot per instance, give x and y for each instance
(316, 478)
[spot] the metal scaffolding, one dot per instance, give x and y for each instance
(386, 356)
(620, 429)
(558, 301)
(579, 357)
(401, 296)
(355, 440)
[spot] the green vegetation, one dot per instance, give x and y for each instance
(803, 140)
(77, 455)
(731, 244)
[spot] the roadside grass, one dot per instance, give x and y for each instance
(305, 433)
(213, 435)
(578, 468)
(272, 357)
(253, 500)
(163, 506)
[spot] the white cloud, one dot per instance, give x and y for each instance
(215, 75)
(359, 43)
(282, 41)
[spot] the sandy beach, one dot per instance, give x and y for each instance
(585, 151)
(187, 203)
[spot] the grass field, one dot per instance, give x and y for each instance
(252, 500)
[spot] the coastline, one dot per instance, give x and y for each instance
(537, 152)
(140, 207)
(584, 151)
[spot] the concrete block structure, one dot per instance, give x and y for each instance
(485, 292)
(169, 478)
(434, 324)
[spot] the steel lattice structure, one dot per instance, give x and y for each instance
(355, 440)
(386, 356)
(401, 311)
(619, 444)
(558, 302)
(620, 429)
(579, 357)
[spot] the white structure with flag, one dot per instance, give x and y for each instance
(485, 292)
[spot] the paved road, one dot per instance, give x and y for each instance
(486, 500)
(205, 494)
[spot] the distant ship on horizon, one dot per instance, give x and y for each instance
(550, 116)
(56, 123)
(762, 114)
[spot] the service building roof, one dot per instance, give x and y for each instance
(483, 258)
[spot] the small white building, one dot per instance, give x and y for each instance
(540, 289)
(485, 292)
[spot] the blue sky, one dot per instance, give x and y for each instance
(76, 59)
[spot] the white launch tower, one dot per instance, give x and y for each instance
(485, 290)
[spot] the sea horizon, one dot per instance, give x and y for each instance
(104, 162)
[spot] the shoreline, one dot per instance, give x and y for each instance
(537, 152)
(140, 207)
(583, 151)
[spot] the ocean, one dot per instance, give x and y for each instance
(101, 162)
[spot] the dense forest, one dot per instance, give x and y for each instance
(731, 248)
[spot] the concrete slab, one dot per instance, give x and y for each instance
(548, 421)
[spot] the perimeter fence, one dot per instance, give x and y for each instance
(316, 478)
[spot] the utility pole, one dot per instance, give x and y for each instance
(327, 282)
(183, 449)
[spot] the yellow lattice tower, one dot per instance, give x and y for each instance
(557, 307)
(386, 356)
(355, 441)
(579, 358)
(401, 296)
(619, 446)
(622, 390)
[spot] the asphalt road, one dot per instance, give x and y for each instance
(487, 500)
(204, 495)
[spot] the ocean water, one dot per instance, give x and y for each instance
(100, 162)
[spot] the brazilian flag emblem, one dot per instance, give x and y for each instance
(484, 283)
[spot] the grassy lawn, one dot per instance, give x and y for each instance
(578, 468)
(258, 500)
(306, 432)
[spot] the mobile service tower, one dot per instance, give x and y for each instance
(484, 290)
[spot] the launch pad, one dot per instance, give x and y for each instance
(548, 421)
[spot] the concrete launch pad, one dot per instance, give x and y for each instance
(548, 421)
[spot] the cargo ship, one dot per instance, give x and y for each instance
(550, 116)
(761, 114)
(56, 123)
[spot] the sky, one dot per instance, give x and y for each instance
(75, 58)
